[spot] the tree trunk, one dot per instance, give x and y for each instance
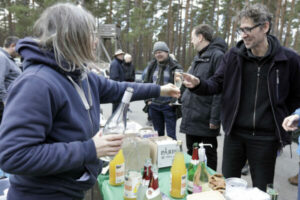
(217, 21)
(170, 29)
(283, 13)
(296, 42)
(190, 56)
(213, 11)
(179, 33)
(186, 21)
(288, 29)
(128, 25)
(277, 16)
(233, 32)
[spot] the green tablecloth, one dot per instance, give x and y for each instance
(109, 192)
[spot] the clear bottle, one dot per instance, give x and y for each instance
(153, 191)
(133, 181)
(192, 168)
(201, 183)
(117, 169)
(178, 176)
(147, 176)
(116, 124)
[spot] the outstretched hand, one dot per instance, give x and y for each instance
(169, 90)
(190, 81)
(290, 123)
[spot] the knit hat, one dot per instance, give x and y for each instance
(160, 46)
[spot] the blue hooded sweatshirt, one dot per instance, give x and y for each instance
(46, 132)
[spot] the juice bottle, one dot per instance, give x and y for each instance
(133, 180)
(178, 176)
(117, 169)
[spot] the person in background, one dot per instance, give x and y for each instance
(129, 70)
(9, 70)
(292, 123)
(161, 71)
(201, 114)
(116, 71)
(260, 86)
(49, 136)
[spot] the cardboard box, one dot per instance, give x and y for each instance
(162, 151)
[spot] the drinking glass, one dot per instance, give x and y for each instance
(178, 81)
(272, 192)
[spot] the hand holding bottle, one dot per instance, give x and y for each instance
(169, 90)
(107, 145)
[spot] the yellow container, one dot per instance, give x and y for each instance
(117, 169)
(178, 176)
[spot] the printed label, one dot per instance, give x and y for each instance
(132, 183)
(120, 173)
(183, 185)
(190, 186)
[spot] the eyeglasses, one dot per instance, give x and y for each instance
(247, 30)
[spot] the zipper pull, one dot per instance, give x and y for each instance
(258, 71)
(277, 76)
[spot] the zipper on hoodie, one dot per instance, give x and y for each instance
(255, 100)
(273, 111)
(277, 83)
(88, 110)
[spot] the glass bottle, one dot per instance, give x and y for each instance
(192, 168)
(153, 191)
(178, 176)
(147, 176)
(117, 169)
(116, 124)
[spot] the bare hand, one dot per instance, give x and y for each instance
(213, 127)
(107, 145)
(169, 90)
(190, 81)
(290, 123)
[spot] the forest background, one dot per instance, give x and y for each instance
(143, 22)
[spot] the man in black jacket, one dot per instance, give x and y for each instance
(201, 114)
(161, 71)
(260, 85)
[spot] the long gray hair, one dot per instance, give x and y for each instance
(69, 31)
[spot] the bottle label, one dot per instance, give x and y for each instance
(183, 185)
(190, 186)
(132, 183)
(120, 173)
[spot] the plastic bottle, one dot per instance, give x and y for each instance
(117, 169)
(201, 183)
(192, 168)
(178, 176)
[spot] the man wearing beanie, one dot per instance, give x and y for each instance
(161, 71)
(116, 71)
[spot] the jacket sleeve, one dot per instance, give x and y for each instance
(293, 101)
(4, 67)
(214, 84)
(112, 91)
(26, 128)
(114, 71)
(216, 103)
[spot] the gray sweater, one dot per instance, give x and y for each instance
(9, 71)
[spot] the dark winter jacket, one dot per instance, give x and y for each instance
(283, 84)
(199, 111)
(172, 65)
(129, 72)
(46, 131)
(116, 70)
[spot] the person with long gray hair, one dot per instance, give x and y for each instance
(49, 137)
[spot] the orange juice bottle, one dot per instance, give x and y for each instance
(178, 176)
(117, 169)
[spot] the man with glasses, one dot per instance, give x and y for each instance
(260, 85)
